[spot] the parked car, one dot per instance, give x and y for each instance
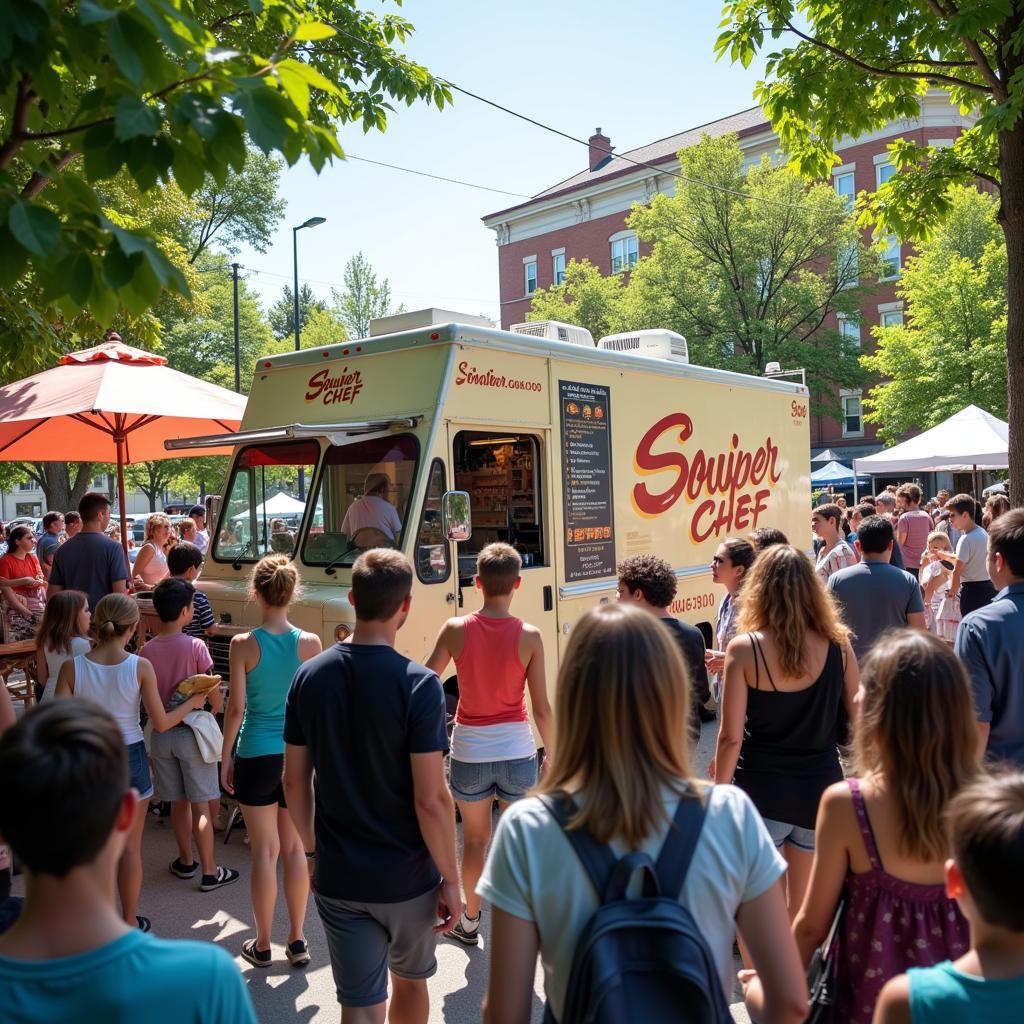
(35, 523)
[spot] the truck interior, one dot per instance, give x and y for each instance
(501, 473)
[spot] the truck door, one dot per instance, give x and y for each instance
(505, 472)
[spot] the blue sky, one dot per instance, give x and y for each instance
(640, 71)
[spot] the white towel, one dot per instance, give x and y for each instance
(207, 732)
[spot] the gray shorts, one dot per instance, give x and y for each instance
(782, 832)
(365, 940)
(179, 771)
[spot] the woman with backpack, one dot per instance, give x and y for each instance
(882, 838)
(620, 783)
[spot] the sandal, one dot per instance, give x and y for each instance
(257, 957)
(145, 925)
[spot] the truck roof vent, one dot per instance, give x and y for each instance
(658, 344)
(553, 330)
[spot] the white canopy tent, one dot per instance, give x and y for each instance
(280, 504)
(968, 441)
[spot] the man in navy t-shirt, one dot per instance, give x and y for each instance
(90, 561)
(376, 818)
(66, 812)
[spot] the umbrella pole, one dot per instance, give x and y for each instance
(856, 499)
(977, 490)
(119, 441)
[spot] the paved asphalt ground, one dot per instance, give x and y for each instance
(280, 994)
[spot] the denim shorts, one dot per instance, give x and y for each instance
(138, 769)
(483, 780)
(782, 832)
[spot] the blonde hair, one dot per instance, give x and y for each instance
(784, 596)
(275, 579)
(60, 620)
(498, 567)
(115, 615)
(187, 526)
(940, 538)
(152, 522)
(621, 709)
(916, 729)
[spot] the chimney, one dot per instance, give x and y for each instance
(600, 150)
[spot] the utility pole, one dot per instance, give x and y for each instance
(238, 355)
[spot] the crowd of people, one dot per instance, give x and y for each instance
(867, 781)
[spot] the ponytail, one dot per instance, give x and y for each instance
(116, 616)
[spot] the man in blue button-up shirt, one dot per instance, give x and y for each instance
(991, 643)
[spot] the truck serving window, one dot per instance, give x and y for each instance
(266, 501)
(362, 499)
(431, 546)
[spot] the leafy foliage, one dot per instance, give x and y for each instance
(586, 298)
(163, 90)
(282, 311)
(363, 298)
(950, 351)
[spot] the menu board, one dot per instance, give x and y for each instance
(589, 537)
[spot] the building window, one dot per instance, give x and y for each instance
(625, 251)
(99, 484)
(853, 424)
(844, 188)
(848, 266)
(883, 172)
(849, 329)
(558, 267)
(27, 485)
(892, 317)
(530, 275)
(892, 261)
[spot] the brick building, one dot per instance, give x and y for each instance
(585, 217)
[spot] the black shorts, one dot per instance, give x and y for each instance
(258, 780)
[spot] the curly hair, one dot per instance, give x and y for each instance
(153, 521)
(652, 576)
(784, 596)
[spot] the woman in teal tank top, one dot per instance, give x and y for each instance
(263, 664)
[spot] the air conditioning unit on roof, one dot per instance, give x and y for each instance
(553, 330)
(658, 344)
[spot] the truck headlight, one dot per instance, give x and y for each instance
(342, 632)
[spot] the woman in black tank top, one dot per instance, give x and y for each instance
(781, 726)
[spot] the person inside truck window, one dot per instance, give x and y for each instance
(372, 515)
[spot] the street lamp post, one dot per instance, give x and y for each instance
(313, 222)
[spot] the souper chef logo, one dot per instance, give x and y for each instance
(730, 489)
(334, 387)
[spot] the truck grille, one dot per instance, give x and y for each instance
(219, 646)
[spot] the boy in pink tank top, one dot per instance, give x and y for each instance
(493, 753)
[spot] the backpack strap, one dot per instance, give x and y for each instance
(680, 843)
(597, 859)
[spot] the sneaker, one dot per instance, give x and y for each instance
(183, 870)
(257, 957)
(467, 930)
(224, 876)
(298, 953)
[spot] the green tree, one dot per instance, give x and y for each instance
(749, 271)
(950, 352)
(199, 337)
(244, 209)
(847, 69)
(164, 90)
(152, 478)
(281, 314)
(363, 298)
(324, 327)
(585, 298)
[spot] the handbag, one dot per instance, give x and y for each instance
(823, 975)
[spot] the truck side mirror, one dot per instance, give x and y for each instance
(455, 515)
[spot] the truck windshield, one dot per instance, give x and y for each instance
(266, 501)
(362, 499)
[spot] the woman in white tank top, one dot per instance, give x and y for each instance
(121, 683)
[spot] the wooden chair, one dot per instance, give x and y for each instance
(18, 656)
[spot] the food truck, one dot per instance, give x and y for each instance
(441, 439)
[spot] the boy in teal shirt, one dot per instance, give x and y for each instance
(66, 809)
(985, 878)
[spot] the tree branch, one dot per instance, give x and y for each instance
(974, 49)
(23, 100)
(889, 72)
(40, 179)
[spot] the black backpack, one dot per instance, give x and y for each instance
(645, 958)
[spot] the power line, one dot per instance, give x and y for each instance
(437, 177)
(739, 193)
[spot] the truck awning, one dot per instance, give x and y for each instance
(291, 432)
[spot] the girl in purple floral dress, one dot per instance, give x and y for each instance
(881, 845)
